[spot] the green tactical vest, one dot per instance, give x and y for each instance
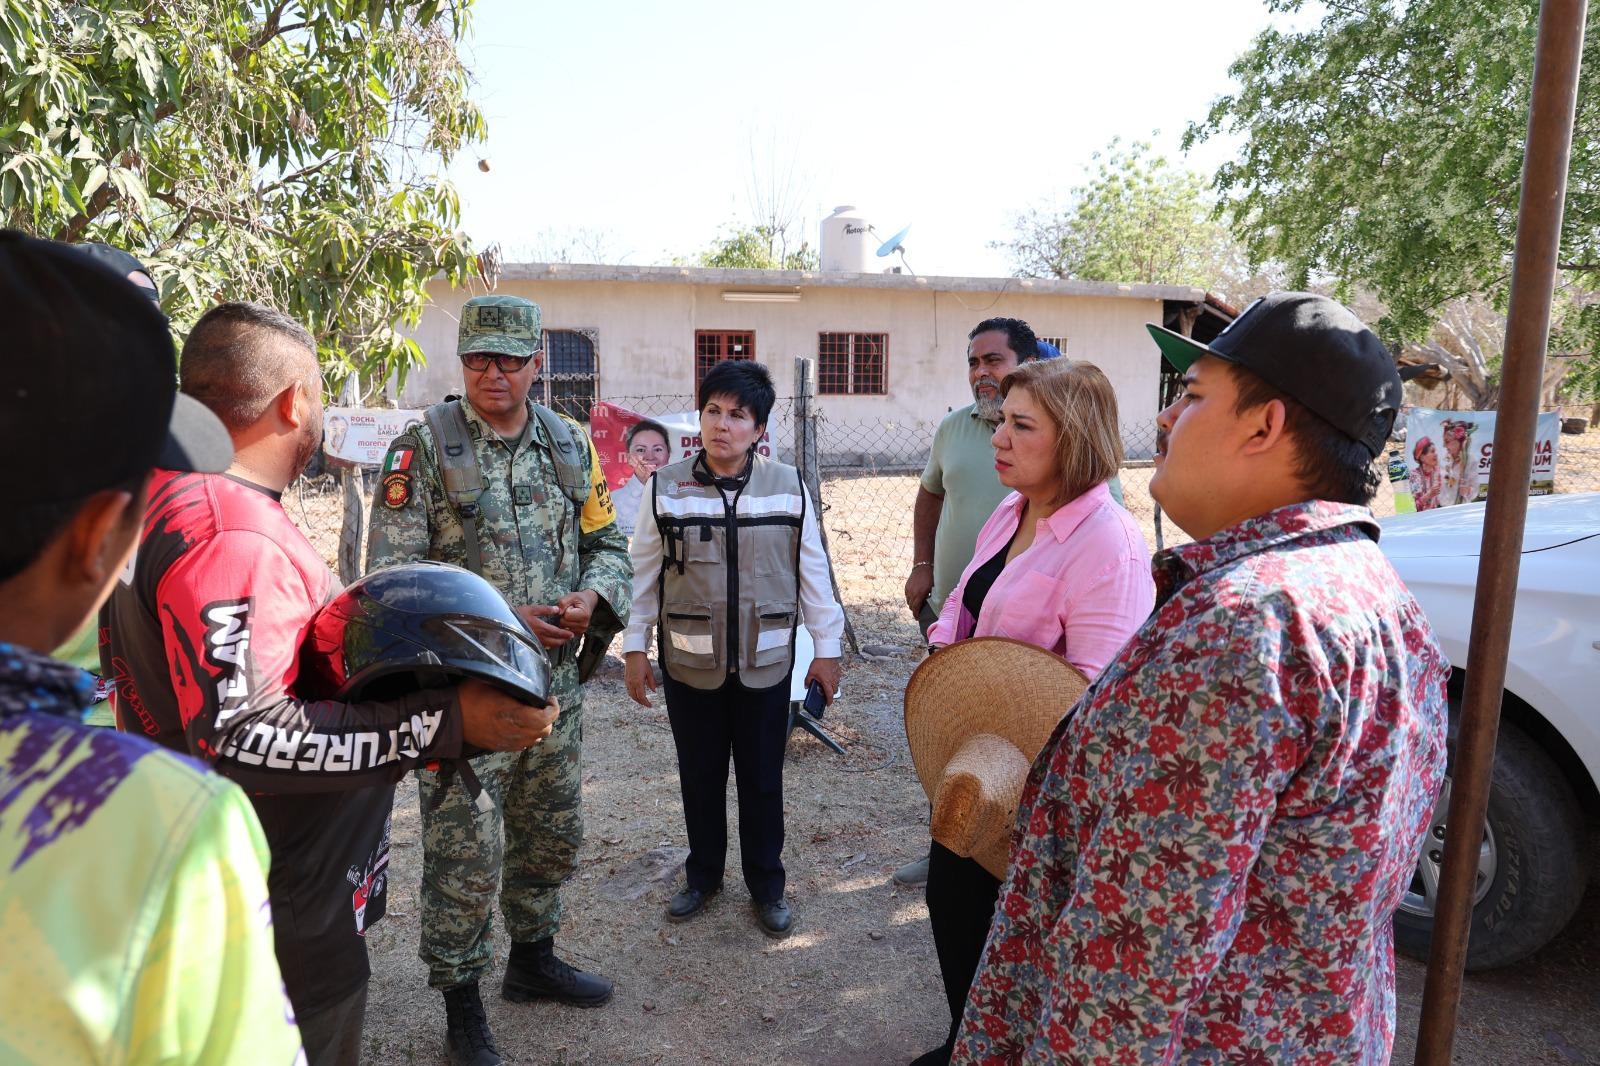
(730, 574)
(463, 485)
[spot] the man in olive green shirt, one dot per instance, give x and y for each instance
(960, 488)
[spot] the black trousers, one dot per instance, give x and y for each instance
(752, 726)
(961, 901)
(332, 1036)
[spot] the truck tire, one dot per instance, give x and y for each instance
(1532, 872)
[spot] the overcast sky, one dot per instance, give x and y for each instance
(636, 121)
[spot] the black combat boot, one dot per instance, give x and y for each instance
(534, 972)
(467, 1038)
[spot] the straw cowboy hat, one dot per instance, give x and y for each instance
(977, 714)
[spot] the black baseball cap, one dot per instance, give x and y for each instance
(123, 263)
(1313, 349)
(89, 392)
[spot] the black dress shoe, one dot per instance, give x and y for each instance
(776, 919)
(688, 903)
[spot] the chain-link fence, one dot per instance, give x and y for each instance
(869, 473)
(316, 506)
(871, 470)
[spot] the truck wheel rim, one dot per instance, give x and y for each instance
(1423, 894)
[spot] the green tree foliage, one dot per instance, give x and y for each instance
(283, 152)
(1140, 219)
(756, 248)
(1384, 150)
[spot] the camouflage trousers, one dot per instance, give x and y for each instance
(525, 847)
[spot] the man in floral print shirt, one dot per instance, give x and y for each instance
(1211, 846)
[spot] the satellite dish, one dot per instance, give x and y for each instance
(893, 245)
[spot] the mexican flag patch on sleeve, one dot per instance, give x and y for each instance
(398, 459)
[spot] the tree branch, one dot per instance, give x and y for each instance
(298, 175)
(197, 211)
(271, 28)
(72, 232)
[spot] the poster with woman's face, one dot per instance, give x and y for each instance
(627, 456)
(648, 448)
(1448, 456)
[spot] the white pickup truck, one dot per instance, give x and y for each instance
(1532, 868)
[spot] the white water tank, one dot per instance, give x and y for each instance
(847, 242)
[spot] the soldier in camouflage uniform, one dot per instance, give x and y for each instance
(566, 568)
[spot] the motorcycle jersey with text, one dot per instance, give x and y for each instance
(202, 637)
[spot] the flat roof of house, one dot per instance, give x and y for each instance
(804, 279)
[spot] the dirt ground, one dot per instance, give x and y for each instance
(858, 982)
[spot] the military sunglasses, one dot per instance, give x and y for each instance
(478, 362)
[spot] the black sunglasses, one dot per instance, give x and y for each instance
(508, 364)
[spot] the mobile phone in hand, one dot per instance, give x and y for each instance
(815, 704)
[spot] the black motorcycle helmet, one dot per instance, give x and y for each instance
(420, 625)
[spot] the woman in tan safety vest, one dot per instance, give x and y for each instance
(727, 560)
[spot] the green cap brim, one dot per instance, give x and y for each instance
(496, 343)
(1179, 350)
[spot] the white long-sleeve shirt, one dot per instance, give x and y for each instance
(821, 613)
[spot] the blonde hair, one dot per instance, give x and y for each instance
(1082, 404)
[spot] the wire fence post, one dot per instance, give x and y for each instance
(354, 512)
(810, 467)
(350, 526)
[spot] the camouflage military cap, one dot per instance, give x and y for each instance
(507, 324)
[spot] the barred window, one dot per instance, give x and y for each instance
(852, 363)
(569, 380)
(1059, 342)
(713, 346)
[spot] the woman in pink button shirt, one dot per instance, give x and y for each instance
(1071, 568)
(1058, 565)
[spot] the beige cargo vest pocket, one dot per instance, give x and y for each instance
(698, 548)
(769, 630)
(694, 640)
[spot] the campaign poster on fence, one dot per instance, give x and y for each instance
(609, 424)
(363, 434)
(627, 464)
(1448, 456)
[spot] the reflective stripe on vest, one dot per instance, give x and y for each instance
(728, 607)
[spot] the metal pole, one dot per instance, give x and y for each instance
(810, 467)
(1557, 58)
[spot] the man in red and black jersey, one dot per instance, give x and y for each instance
(202, 636)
